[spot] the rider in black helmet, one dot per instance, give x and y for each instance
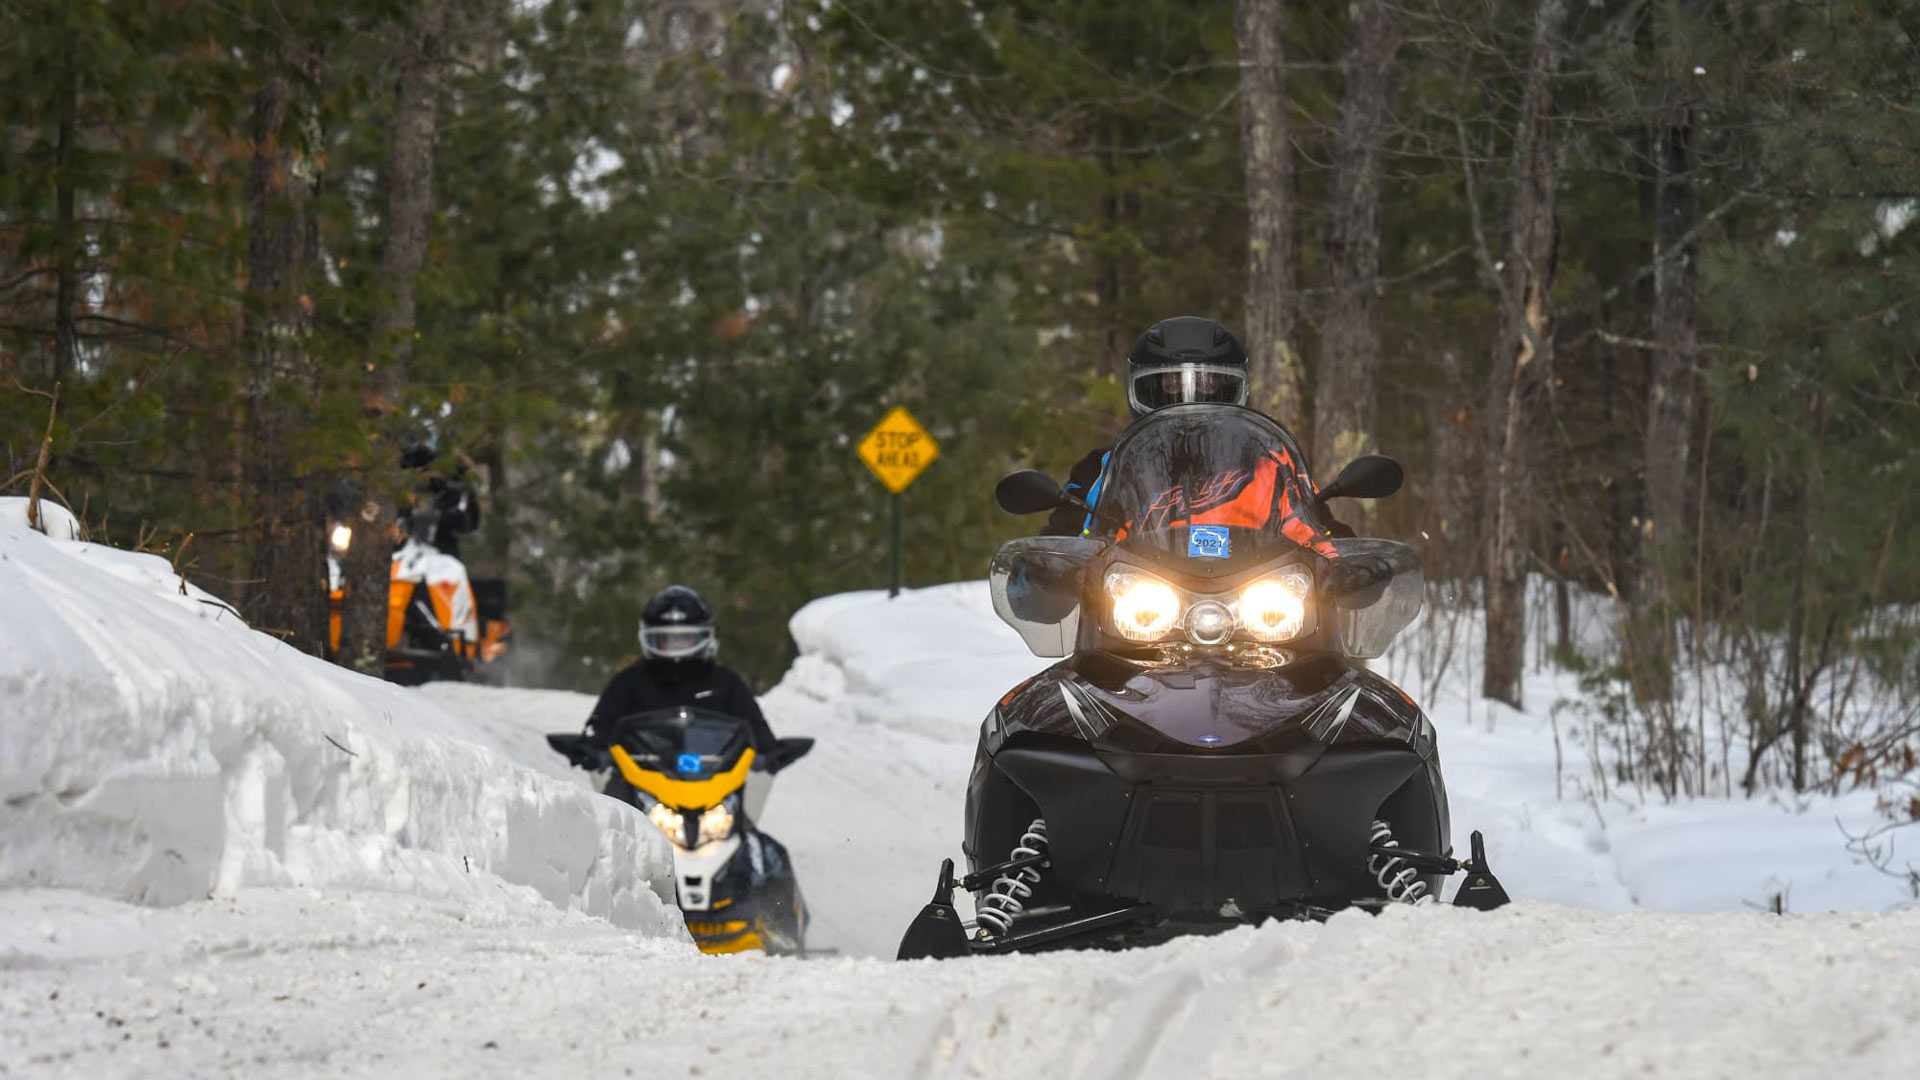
(677, 667)
(1184, 360)
(1177, 361)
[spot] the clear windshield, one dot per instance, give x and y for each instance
(1212, 489)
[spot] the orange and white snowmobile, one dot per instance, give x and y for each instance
(441, 622)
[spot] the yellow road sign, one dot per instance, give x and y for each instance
(897, 449)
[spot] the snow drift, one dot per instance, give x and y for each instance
(155, 749)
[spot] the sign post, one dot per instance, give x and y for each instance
(897, 449)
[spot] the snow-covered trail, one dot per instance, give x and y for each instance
(290, 982)
(894, 692)
(408, 885)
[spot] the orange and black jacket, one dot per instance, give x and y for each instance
(1084, 481)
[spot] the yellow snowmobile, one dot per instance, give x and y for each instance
(698, 778)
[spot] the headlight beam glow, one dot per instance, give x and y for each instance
(1144, 608)
(667, 818)
(1272, 609)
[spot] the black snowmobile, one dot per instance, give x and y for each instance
(696, 776)
(1208, 753)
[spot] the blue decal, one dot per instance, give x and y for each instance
(1208, 542)
(1093, 495)
(690, 763)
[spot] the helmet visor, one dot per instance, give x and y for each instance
(1186, 384)
(675, 642)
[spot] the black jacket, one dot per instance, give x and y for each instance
(664, 684)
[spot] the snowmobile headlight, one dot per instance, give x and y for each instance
(1144, 607)
(1274, 608)
(667, 818)
(1209, 622)
(342, 538)
(716, 823)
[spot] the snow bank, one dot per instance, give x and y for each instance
(154, 749)
(930, 661)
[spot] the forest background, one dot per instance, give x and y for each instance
(1629, 285)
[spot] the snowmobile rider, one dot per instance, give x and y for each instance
(457, 511)
(677, 667)
(1179, 361)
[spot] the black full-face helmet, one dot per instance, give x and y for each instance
(1183, 360)
(677, 625)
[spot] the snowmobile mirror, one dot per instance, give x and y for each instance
(1369, 476)
(1028, 491)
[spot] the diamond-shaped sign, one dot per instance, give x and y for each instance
(897, 449)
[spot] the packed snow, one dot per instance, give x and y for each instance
(368, 983)
(380, 881)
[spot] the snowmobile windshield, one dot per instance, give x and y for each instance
(1210, 490)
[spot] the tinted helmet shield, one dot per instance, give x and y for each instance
(675, 642)
(677, 624)
(1158, 386)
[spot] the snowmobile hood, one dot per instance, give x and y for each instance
(684, 794)
(1214, 707)
(1117, 704)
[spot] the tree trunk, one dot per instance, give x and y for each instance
(287, 594)
(1522, 355)
(1672, 391)
(363, 624)
(1272, 284)
(1450, 489)
(65, 338)
(1347, 389)
(1800, 684)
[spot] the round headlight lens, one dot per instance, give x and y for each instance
(716, 823)
(1209, 623)
(667, 818)
(1144, 608)
(1273, 609)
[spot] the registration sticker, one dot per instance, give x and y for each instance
(1208, 542)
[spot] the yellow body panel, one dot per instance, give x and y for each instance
(699, 928)
(747, 942)
(721, 938)
(684, 794)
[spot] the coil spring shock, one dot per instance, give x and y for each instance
(1006, 898)
(1398, 880)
